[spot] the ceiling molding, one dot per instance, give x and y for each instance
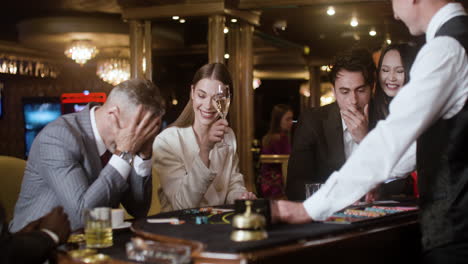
(190, 10)
(265, 4)
(182, 10)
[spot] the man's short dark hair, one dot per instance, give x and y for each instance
(354, 60)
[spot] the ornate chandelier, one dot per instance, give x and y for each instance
(81, 51)
(113, 70)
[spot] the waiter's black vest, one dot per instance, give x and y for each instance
(442, 159)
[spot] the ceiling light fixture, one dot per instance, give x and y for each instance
(81, 51)
(175, 17)
(372, 32)
(226, 30)
(182, 20)
(233, 20)
(114, 70)
(354, 22)
(331, 11)
(226, 56)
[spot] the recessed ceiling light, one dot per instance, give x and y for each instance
(226, 30)
(182, 20)
(372, 32)
(354, 22)
(331, 11)
(233, 20)
(175, 17)
(226, 56)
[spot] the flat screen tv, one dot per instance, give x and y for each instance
(38, 112)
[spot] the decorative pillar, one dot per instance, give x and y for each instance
(136, 49)
(314, 85)
(216, 38)
(148, 51)
(240, 63)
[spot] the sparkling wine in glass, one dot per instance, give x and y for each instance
(221, 102)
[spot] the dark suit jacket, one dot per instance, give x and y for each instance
(318, 149)
(26, 248)
(64, 169)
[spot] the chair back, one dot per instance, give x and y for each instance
(275, 158)
(11, 176)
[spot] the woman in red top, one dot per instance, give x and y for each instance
(276, 141)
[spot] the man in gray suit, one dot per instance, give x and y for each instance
(68, 167)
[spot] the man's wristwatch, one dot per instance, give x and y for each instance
(125, 155)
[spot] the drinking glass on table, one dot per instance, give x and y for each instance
(221, 102)
(98, 227)
(311, 188)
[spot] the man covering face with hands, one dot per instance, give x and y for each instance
(100, 156)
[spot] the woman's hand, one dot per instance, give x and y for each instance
(215, 134)
(247, 196)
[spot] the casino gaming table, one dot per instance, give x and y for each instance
(392, 238)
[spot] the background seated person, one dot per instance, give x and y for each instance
(67, 165)
(194, 168)
(36, 241)
(276, 141)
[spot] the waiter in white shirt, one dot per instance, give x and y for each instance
(432, 110)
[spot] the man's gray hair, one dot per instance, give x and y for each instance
(139, 92)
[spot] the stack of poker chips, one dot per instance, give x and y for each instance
(363, 213)
(199, 220)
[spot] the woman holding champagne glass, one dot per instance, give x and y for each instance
(196, 156)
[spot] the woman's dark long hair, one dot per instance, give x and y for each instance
(381, 101)
(212, 71)
(277, 114)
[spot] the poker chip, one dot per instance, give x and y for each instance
(199, 220)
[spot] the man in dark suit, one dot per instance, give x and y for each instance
(36, 241)
(100, 156)
(327, 135)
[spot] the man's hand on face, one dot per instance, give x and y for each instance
(57, 222)
(288, 212)
(356, 121)
(147, 147)
(139, 130)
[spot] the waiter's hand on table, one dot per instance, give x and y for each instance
(289, 212)
(371, 196)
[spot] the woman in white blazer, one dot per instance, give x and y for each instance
(195, 168)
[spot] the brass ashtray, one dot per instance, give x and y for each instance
(82, 253)
(97, 258)
(76, 238)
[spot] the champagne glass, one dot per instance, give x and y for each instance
(221, 102)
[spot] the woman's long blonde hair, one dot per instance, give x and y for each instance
(213, 71)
